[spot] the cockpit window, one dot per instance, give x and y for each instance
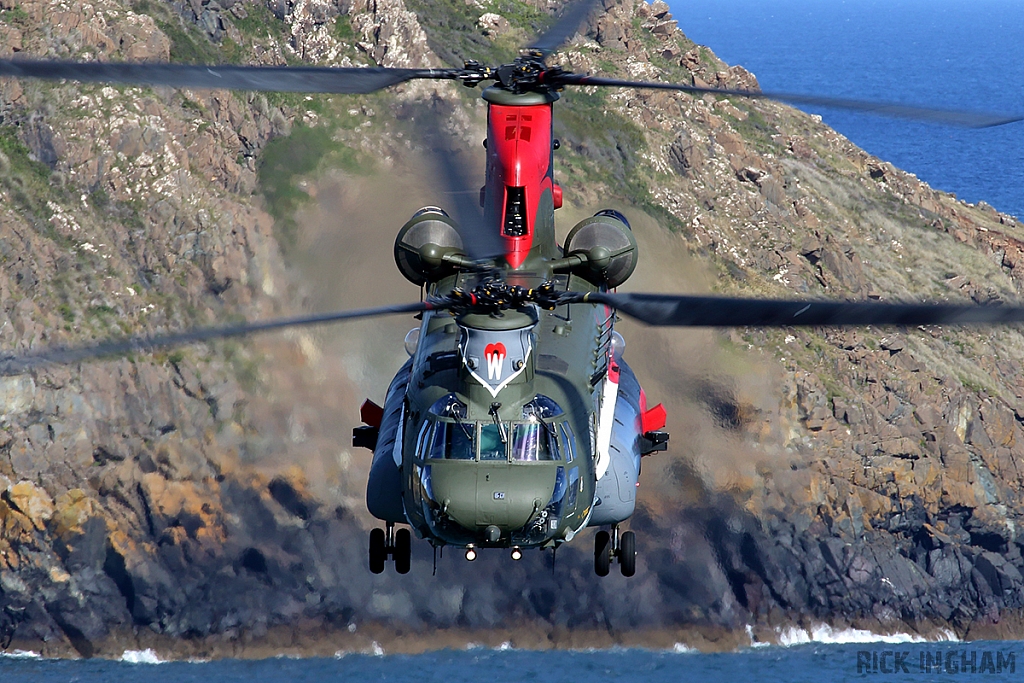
(570, 441)
(542, 407)
(491, 445)
(533, 441)
(453, 441)
(449, 406)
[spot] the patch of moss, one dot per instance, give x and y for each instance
(66, 312)
(343, 30)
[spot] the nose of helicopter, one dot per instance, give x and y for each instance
(482, 496)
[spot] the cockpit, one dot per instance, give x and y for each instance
(512, 477)
(542, 435)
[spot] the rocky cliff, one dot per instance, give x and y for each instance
(205, 501)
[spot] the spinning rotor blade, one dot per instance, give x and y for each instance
(462, 191)
(13, 365)
(264, 78)
(968, 119)
(564, 28)
(709, 311)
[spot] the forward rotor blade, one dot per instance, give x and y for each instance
(564, 28)
(967, 119)
(263, 78)
(13, 365)
(709, 311)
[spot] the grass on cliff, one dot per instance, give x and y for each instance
(286, 160)
(453, 33)
(26, 180)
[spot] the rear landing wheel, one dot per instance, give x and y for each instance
(378, 551)
(627, 553)
(602, 552)
(403, 551)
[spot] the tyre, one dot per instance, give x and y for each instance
(627, 553)
(403, 551)
(602, 552)
(378, 551)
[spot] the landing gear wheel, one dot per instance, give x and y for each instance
(602, 552)
(627, 553)
(378, 551)
(403, 551)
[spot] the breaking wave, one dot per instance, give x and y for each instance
(823, 633)
(146, 656)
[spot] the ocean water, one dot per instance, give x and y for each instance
(958, 54)
(810, 662)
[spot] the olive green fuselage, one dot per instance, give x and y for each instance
(469, 495)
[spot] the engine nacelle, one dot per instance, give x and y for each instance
(606, 247)
(426, 244)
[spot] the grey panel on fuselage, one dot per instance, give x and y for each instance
(384, 487)
(616, 490)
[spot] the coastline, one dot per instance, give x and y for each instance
(311, 639)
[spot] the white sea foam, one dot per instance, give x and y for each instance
(507, 645)
(823, 633)
(683, 648)
(21, 654)
(146, 656)
(754, 643)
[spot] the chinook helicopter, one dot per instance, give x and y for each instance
(516, 422)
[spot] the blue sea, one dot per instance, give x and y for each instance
(957, 54)
(814, 662)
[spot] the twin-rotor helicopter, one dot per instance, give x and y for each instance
(516, 422)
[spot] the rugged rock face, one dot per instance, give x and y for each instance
(204, 500)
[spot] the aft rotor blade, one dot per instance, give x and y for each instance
(310, 79)
(564, 28)
(12, 365)
(709, 311)
(462, 190)
(967, 119)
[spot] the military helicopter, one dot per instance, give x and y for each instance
(516, 422)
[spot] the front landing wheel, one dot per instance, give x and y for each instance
(602, 552)
(627, 553)
(403, 551)
(378, 551)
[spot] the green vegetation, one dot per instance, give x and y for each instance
(343, 30)
(66, 312)
(754, 128)
(187, 45)
(260, 23)
(285, 160)
(453, 33)
(586, 125)
(15, 16)
(27, 181)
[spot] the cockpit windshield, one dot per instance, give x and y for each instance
(536, 438)
(534, 441)
(453, 441)
(492, 447)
